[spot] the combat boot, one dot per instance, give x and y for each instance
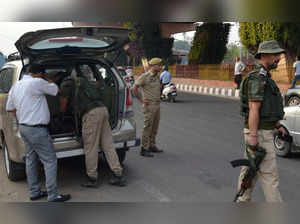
(146, 153)
(117, 180)
(155, 149)
(90, 182)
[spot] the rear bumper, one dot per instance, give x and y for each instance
(79, 151)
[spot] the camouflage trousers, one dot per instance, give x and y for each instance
(96, 132)
(151, 124)
(268, 173)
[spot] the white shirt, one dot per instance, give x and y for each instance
(297, 66)
(27, 96)
(238, 68)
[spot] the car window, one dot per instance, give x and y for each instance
(106, 74)
(72, 42)
(6, 77)
(88, 72)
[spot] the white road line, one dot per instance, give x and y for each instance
(153, 191)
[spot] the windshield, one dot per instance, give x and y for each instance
(72, 42)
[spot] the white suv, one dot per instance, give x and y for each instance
(64, 51)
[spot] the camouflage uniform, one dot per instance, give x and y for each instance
(258, 86)
(150, 84)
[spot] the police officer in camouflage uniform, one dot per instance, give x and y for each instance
(86, 100)
(149, 82)
(262, 108)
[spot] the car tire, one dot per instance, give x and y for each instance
(282, 148)
(293, 101)
(14, 171)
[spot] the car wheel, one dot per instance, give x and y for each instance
(282, 148)
(293, 101)
(15, 171)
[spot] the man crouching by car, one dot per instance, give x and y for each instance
(27, 100)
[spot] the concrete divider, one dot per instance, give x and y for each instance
(216, 91)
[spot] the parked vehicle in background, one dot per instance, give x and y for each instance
(14, 56)
(291, 123)
(292, 96)
(66, 52)
(127, 75)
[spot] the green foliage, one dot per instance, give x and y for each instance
(287, 34)
(209, 44)
(152, 42)
(232, 51)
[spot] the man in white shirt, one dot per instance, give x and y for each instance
(238, 69)
(27, 100)
(296, 69)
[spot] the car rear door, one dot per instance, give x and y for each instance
(71, 42)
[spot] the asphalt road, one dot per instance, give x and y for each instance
(200, 135)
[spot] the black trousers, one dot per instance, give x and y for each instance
(238, 80)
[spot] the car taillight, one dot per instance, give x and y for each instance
(128, 97)
(129, 103)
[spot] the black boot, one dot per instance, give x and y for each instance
(118, 180)
(146, 153)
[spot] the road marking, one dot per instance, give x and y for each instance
(153, 191)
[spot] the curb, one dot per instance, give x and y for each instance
(215, 91)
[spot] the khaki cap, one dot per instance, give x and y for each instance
(155, 61)
(269, 47)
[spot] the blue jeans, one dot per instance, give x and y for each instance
(38, 145)
(297, 77)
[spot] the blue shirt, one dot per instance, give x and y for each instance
(165, 77)
(2, 60)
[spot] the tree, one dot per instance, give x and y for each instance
(148, 42)
(153, 44)
(287, 35)
(209, 44)
(232, 51)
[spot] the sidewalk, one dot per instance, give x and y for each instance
(213, 87)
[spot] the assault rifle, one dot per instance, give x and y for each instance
(252, 163)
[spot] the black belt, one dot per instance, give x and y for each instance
(36, 125)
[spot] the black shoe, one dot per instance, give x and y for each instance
(91, 182)
(155, 149)
(117, 181)
(146, 153)
(42, 194)
(61, 198)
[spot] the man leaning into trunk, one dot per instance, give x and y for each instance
(86, 100)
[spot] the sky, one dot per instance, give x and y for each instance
(11, 31)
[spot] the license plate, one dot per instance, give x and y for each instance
(174, 94)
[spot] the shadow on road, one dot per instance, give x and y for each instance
(294, 156)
